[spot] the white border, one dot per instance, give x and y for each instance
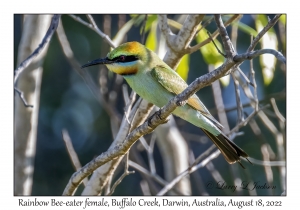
(9, 8)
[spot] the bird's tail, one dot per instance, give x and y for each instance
(230, 150)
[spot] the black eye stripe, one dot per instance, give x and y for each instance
(125, 59)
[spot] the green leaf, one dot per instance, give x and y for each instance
(269, 40)
(264, 21)
(150, 21)
(224, 80)
(151, 41)
(282, 19)
(183, 67)
(246, 28)
(138, 19)
(174, 24)
(209, 51)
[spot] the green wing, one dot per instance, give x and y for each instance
(171, 81)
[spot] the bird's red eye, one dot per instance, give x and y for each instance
(122, 58)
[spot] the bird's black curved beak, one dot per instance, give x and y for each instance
(97, 62)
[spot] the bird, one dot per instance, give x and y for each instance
(156, 82)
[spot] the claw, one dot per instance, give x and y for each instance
(180, 103)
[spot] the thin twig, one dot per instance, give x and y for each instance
(149, 150)
(263, 31)
(215, 44)
(22, 98)
(206, 23)
(151, 158)
(204, 154)
(244, 76)
(254, 84)
(39, 49)
(126, 173)
(238, 126)
(103, 35)
(254, 54)
(278, 95)
(267, 163)
(78, 19)
(141, 169)
(72, 153)
(94, 27)
(129, 103)
(276, 110)
(214, 36)
(145, 188)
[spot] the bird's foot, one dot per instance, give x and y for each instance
(180, 103)
(158, 114)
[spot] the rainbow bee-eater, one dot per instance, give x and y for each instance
(153, 80)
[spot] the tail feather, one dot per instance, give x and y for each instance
(229, 150)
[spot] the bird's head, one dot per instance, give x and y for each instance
(126, 59)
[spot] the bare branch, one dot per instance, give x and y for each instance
(276, 110)
(244, 76)
(149, 150)
(254, 54)
(278, 95)
(241, 124)
(150, 154)
(148, 173)
(204, 25)
(260, 35)
(214, 36)
(267, 163)
(95, 28)
(22, 98)
(187, 31)
(254, 84)
(72, 153)
(178, 44)
(229, 49)
(126, 173)
(145, 187)
(81, 21)
(103, 35)
(39, 49)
